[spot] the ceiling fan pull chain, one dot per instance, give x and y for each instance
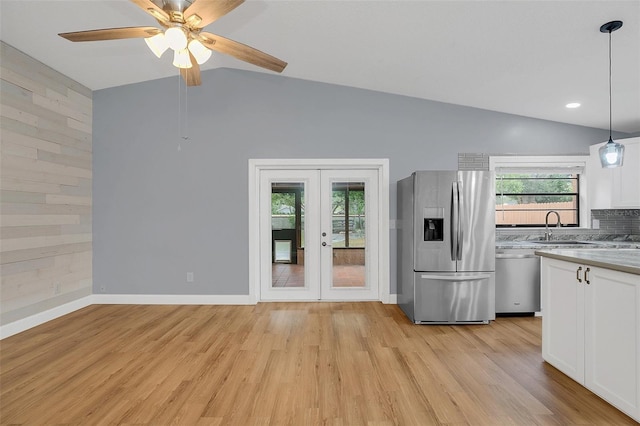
(179, 110)
(186, 108)
(182, 126)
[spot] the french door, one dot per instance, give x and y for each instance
(318, 234)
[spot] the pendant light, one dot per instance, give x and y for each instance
(611, 153)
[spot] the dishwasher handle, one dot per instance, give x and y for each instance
(514, 256)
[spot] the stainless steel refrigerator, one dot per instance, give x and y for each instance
(446, 247)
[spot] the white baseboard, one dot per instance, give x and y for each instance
(172, 299)
(40, 318)
(131, 299)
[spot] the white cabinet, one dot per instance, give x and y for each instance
(612, 338)
(625, 191)
(591, 329)
(562, 313)
(617, 188)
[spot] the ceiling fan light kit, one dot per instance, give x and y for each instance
(201, 53)
(157, 44)
(176, 38)
(181, 59)
(183, 21)
(611, 153)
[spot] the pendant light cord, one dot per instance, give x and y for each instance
(610, 119)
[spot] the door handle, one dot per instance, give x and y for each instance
(461, 221)
(453, 227)
(578, 274)
(325, 244)
(586, 276)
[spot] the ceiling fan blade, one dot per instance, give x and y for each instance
(242, 52)
(191, 75)
(209, 11)
(111, 34)
(152, 9)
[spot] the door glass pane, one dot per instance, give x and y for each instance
(348, 234)
(287, 234)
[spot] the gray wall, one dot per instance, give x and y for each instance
(160, 211)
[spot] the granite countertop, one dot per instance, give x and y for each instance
(560, 244)
(624, 260)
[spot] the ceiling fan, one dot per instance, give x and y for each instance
(183, 21)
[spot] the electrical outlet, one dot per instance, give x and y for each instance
(189, 277)
(595, 224)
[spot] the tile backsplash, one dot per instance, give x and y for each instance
(618, 221)
(615, 225)
(473, 161)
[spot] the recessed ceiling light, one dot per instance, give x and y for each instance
(573, 105)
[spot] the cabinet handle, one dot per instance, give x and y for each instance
(578, 274)
(586, 276)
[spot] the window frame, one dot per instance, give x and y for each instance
(548, 164)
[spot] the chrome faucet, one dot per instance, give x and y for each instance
(547, 233)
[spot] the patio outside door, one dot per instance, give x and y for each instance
(318, 234)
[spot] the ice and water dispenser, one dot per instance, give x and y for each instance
(433, 223)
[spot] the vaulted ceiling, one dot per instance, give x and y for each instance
(522, 57)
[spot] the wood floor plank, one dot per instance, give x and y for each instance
(339, 364)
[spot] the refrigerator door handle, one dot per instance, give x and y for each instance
(461, 221)
(454, 221)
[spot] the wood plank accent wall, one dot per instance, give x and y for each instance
(45, 183)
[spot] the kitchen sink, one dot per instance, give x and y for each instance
(562, 242)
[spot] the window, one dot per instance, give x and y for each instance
(524, 199)
(348, 214)
(287, 209)
(527, 188)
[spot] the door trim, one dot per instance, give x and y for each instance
(380, 164)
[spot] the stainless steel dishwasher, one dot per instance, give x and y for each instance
(517, 281)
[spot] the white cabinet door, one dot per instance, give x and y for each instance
(625, 192)
(591, 329)
(612, 337)
(562, 297)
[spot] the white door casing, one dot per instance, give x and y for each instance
(379, 260)
(318, 233)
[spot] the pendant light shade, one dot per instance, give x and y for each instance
(611, 153)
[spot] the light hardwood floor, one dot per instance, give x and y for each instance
(285, 364)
